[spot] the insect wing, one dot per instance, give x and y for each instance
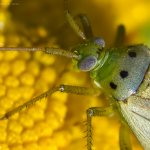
(137, 114)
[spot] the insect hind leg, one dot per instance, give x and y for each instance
(144, 89)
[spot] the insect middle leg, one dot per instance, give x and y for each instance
(95, 111)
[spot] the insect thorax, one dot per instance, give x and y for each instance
(123, 71)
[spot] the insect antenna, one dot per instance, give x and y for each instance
(47, 50)
(31, 49)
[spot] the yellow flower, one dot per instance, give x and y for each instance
(56, 122)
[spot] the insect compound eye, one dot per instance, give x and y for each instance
(88, 63)
(100, 42)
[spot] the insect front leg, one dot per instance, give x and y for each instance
(62, 88)
(124, 139)
(86, 25)
(72, 22)
(92, 112)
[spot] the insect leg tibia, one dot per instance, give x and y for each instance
(72, 22)
(29, 103)
(91, 112)
(124, 139)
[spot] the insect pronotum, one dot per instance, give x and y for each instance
(122, 73)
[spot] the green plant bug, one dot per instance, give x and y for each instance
(122, 73)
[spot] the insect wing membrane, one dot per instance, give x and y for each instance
(137, 114)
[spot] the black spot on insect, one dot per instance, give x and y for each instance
(123, 74)
(132, 54)
(113, 85)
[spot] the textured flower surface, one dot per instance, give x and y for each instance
(57, 122)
